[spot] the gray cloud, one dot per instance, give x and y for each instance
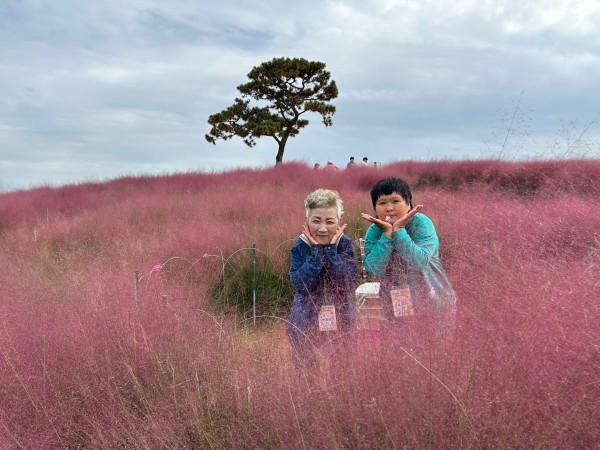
(94, 90)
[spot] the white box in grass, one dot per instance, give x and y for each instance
(368, 306)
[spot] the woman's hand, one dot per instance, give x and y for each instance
(313, 241)
(309, 236)
(339, 233)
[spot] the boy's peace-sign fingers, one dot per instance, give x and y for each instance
(402, 221)
(337, 235)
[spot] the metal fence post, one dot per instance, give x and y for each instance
(137, 286)
(254, 282)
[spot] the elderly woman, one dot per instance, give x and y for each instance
(323, 272)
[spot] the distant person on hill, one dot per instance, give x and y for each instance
(323, 271)
(351, 163)
(331, 166)
(365, 162)
(401, 247)
(317, 166)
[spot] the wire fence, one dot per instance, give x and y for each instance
(231, 272)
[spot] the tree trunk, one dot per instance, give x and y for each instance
(284, 138)
(279, 157)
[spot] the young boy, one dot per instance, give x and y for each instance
(323, 271)
(401, 247)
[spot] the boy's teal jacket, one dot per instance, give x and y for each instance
(418, 247)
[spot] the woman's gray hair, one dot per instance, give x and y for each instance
(324, 198)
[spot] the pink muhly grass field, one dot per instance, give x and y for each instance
(90, 360)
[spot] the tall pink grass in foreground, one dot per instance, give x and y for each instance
(85, 365)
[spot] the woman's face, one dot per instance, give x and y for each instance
(323, 224)
(391, 207)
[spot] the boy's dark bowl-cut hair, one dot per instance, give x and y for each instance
(389, 185)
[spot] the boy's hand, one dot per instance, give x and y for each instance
(387, 227)
(402, 221)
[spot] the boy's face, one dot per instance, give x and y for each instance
(323, 224)
(391, 207)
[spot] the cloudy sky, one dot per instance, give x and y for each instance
(95, 90)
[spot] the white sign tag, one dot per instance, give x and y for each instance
(327, 321)
(402, 302)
